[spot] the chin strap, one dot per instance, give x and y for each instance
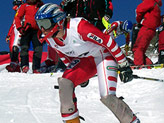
(54, 31)
(50, 34)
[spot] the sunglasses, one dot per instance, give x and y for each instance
(45, 23)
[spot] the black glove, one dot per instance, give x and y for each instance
(21, 30)
(125, 72)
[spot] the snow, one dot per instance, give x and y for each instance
(31, 98)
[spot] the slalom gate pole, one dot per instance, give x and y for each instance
(51, 74)
(147, 78)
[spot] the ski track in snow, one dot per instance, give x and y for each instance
(31, 98)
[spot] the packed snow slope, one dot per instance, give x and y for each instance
(31, 98)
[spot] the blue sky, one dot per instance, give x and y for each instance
(123, 10)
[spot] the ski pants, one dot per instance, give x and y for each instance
(31, 35)
(14, 44)
(14, 38)
(144, 37)
(82, 69)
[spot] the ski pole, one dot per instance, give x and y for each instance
(147, 78)
(147, 66)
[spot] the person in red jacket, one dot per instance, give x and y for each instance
(148, 14)
(29, 30)
(161, 42)
(13, 38)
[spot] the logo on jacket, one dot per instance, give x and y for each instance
(70, 52)
(95, 37)
(73, 63)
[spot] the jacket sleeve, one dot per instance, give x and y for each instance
(10, 30)
(143, 8)
(94, 35)
(19, 16)
(113, 27)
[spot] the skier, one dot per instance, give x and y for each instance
(161, 42)
(118, 28)
(13, 38)
(85, 50)
(148, 14)
(29, 30)
(92, 10)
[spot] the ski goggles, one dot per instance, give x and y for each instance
(17, 3)
(45, 23)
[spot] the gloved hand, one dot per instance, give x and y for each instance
(107, 17)
(138, 25)
(65, 2)
(126, 48)
(21, 30)
(7, 38)
(125, 72)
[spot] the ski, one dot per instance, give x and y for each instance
(147, 66)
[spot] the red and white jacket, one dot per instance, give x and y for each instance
(82, 39)
(116, 27)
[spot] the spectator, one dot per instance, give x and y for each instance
(92, 10)
(135, 30)
(85, 50)
(53, 63)
(161, 42)
(13, 38)
(148, 14)
(29, 30)
(73, 8)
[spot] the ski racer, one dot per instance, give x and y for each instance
(13, 38)
(118, 28)
(92, 10)
(148, 14)
(29, 30)
(85, 50)
(75, 8)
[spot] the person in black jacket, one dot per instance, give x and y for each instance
(161, 42)
(92, 10)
